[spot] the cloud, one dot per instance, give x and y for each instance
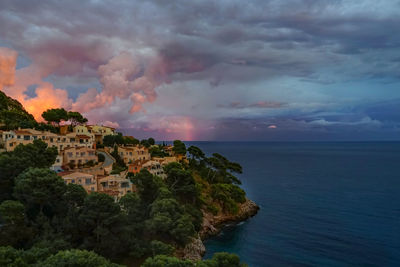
(8, 60)
(210, 61)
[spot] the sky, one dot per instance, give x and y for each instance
(268, 70)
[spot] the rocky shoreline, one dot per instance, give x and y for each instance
(212, 225)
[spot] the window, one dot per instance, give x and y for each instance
(18, 136)
(51, 140)
(72, 140)
(34, 137)
(73, 181)
(11, 144)
(88, 181)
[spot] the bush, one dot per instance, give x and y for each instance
(101, 157)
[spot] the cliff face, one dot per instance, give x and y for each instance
(212, 225)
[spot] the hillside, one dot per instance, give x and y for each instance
(13, 114)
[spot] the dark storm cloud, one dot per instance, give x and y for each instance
(294, 56)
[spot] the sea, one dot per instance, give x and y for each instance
(322, 204)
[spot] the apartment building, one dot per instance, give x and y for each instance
(87, 181)
(12, 139)
(76, 156)
(115, 186)
(130, 154)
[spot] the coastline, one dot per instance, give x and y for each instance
(212, 225)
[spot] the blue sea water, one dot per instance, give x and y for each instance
(322, 204)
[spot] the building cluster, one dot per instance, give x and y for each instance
(77, 159)
(76, 148)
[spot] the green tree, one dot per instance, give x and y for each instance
(55, 115)
(13, 230)
(41, 190)
(161, 248)
(151, 141)
(182, 184)
(76, 258)
(76, 118)
(223, 169)
(179, 147)
(223, 259)
(101, 157)
(147, 185)
(24, 156)
(166, 261)
(101, 222)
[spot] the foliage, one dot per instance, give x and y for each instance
(10, 257)
(13, 230)
(55, 115)
(119, 164)
(13, 114)
(101, 157)
(13, 163)
(157, 151)
(112, 140)
(76, 118)
(222, 259)
(179, 147)
(161, 248)
(40, 190)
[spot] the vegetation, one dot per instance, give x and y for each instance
(222, 259)
(119, 139)
(157, 151)
(179, 147)
(55, 115)
(46, 222)
(13, 114)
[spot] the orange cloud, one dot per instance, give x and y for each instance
(8, 61)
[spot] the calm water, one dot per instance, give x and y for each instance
(322, 204)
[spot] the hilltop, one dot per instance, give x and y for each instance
(13, 114)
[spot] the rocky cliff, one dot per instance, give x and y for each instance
(212, 225)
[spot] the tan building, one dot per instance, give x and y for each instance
(115, 186)
(76, 156)
(87, 181)
(58, 164)
(155, 168)
(130, 154)
(11, 139)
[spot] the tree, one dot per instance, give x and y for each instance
(55, 115)
(13, 230)
(181, 183)
(112, 140)
(24, 156)
(161, 248)
(76, 258)
(157, 151)
(101, 222)
(179, 147)
(76, 118)
(41, 190)
(151, 141)
(223, 259)
(147, 185)
(166, 261)
(196, 152)
(101, 157)
(223, 169)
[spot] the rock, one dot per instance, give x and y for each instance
(212, 225)
(194, 250)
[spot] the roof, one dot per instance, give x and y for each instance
(22, 132)
(83, 136)
(76, 174)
